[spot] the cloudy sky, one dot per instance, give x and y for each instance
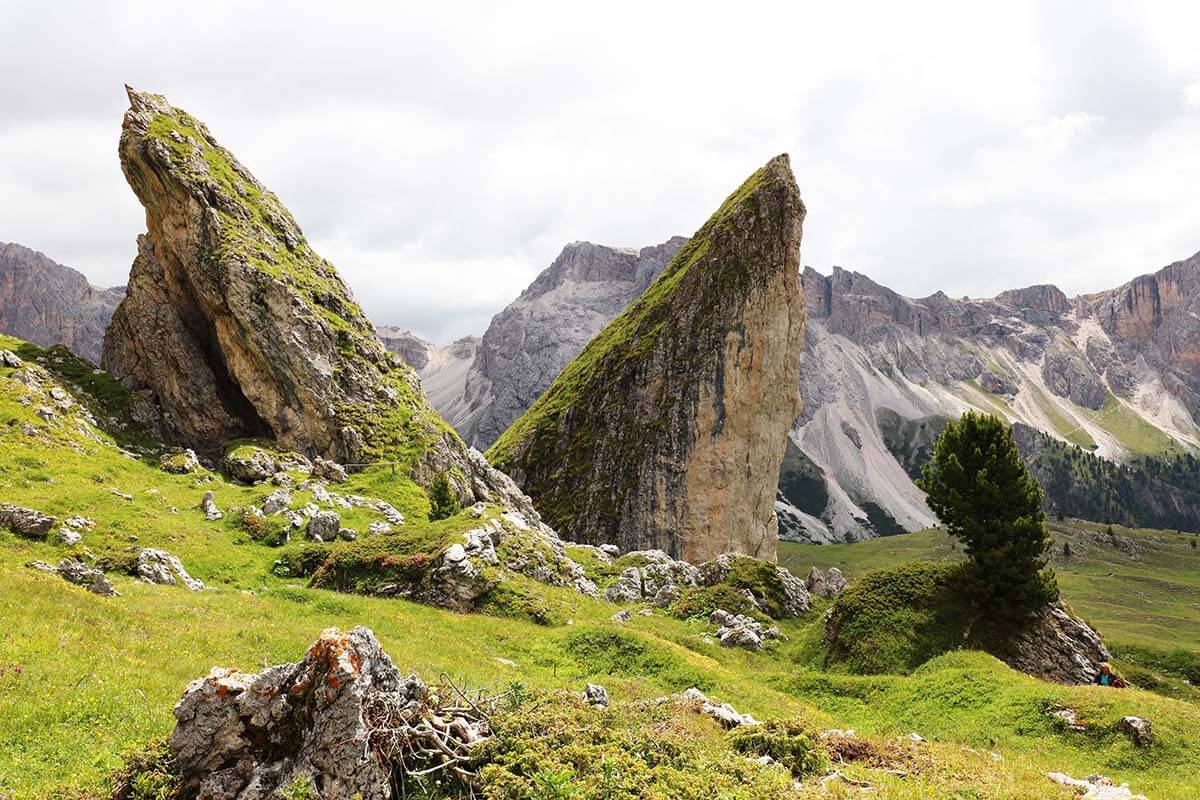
(440, 154)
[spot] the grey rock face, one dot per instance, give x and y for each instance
(1068, 373)
(539, 333)
(1022, 352)
(25, 522)
(47, 304)
(1055, 646)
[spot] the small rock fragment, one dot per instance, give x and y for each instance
(595, 695)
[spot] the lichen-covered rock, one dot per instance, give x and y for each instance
(658, 579)
(240, 330)
(835, 581)
(467, 571)
(595, 695)
(208, 505)
(329, 470)
(250, 464)
(162, 568)
(181, 463)
(668, 430)
(26, 522)
(324, 526)
(1056, 646)
(80, 574)
(1140, 731)
(253, 736)
(68, 537)
(277, 502)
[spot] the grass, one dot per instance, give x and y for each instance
(77, 668)
(1145, 603)
(1134, 433)
(1066, 427)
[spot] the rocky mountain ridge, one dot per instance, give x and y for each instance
(46, 303)
(881, 372)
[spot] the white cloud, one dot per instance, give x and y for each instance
(1062, 132)
(441, 154)
(1191, 95)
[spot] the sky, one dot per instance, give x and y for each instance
(441, 154)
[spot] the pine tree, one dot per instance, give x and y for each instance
(1066, 549)
(442, 502)
(979, 486)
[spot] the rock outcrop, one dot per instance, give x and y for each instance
(45, 303)
(668, 430)
(343, 720)
(27, 522)
(1056, 646)
(241, 330)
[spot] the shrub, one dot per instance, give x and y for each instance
(701, 601)
(894, 620)
(304, 561)
(557, 747)
(791, 743)
(442, 501)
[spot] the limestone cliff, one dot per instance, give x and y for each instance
(668, 430)
(240, 329)
(45, 303)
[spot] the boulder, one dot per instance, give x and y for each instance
(25, 522)
(624, 615)
(181, 463)
(208, 505)
(68, 537)
(595, 695)
(80, 574)
(815, 582)
(277, 502)
(162, 568)
(329, 470)
(347, 534)
(250, 464)
(724, 713)
(736, 630)
(1140, 730)
(324, 720)
(324, 526)
(835, 582)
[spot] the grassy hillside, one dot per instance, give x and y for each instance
(1140, 588)
(84, 678)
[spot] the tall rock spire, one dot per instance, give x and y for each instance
(240, 329)
(669, 428)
